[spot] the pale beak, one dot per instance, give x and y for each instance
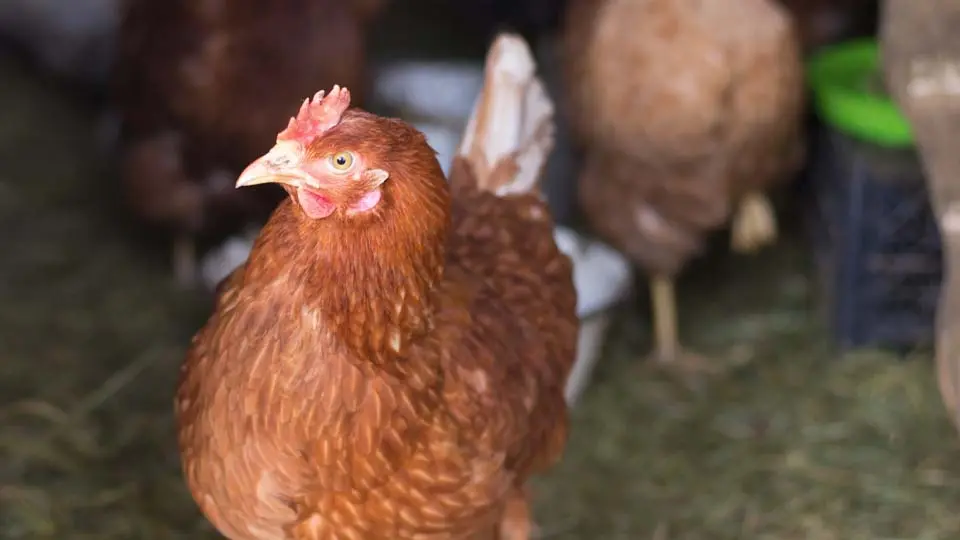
(265, 171)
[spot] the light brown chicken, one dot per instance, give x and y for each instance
(201, 86)
(688, 110)
(390, 362)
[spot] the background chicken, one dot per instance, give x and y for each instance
(686, 114)
(201, 87)
(395, 349)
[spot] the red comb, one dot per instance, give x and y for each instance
(317, 115)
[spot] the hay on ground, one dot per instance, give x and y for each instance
(789, 444)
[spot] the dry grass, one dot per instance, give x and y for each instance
(91, 333)
(789, 444)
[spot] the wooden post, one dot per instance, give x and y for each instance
(920, 48)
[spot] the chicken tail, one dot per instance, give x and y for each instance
(510, 132)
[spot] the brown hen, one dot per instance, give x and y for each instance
(390, 361)
(687, 110)
(201, 86)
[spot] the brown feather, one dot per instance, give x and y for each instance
(218, 78)
(682, 107)
(391, 375)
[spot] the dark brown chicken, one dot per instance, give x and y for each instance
(390, 361)
(688, 110)
(201, 86)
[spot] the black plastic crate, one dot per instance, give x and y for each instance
(876, 242)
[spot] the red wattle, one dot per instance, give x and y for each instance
(315, 205)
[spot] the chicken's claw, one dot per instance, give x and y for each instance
(684, 363)
(317, 115)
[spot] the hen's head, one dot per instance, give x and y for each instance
(370, 207)
(343, 164)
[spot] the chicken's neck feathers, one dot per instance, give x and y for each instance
(372, 289)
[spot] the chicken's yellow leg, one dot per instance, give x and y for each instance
(667, 350)
(754, 224)
(664, 303)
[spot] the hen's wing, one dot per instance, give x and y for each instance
(504, 233)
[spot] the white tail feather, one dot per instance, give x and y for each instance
(512, 119)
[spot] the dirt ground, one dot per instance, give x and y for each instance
(791, 443)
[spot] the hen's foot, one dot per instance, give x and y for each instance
(684, 363)
(185, 262)
(754, 225)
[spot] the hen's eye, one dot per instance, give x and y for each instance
(341, 161)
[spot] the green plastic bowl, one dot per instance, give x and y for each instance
(847, 94)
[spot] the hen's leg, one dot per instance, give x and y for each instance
(667, 349)
(184, 260)
(754, 225)
(517, 522)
